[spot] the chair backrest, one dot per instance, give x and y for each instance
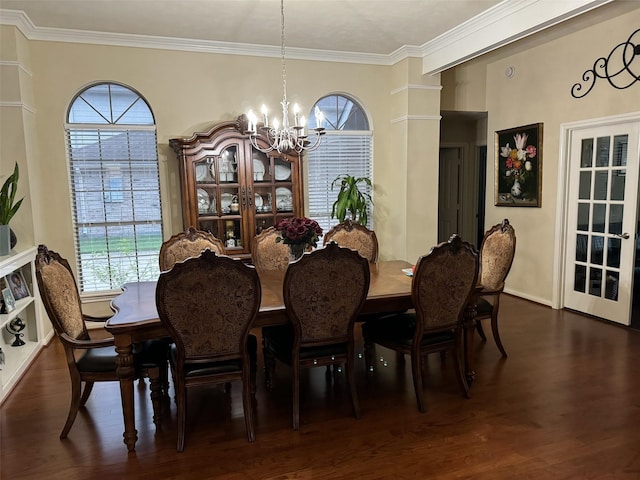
(324, 292)
(443, 283)
(208, 304)
(187, 244)
(266, 253)
(356, 237)
(496, 255)
(59, 293)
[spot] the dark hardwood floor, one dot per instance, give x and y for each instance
(564, 405)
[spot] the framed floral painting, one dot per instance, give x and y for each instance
(519, 166)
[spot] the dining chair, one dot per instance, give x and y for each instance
(266, 253)
(187, 244)
(496, 256)
(356, 237)
(89, 360)
(323, 294)
(208, 304)
(442, 285)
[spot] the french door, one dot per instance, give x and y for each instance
(601, 220)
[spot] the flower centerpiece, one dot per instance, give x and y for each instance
(299, 233)
(518, 162)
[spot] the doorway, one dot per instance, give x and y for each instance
(601, 218)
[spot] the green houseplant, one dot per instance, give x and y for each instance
(351, 199)
(7, 195)
(8, 209)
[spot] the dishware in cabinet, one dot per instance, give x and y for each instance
(22, 330)
(232, 189)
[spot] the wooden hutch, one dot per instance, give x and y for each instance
(232, 189)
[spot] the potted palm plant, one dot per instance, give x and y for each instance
(352, 199)
(8, 209)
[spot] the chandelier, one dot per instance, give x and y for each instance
(281, 135)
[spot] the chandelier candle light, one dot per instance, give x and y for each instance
(283, 137)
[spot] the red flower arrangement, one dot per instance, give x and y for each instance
(298, 231)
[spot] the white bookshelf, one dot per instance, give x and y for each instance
(29, 309)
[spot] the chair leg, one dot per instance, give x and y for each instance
(496, 334)
(460, 368)
(155, 379)
(247, 405)
(416, 370)
(296, 393)
(480, 330)
(76, 387)
(181, 400)
(368, 355)
(269, 364)
(88, 386)
(351, 379)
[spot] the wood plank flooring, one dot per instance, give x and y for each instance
(564, 405)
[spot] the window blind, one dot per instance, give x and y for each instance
(115, 196)
(339, 153)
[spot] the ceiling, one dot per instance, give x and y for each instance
(442, 32)
(361, 26)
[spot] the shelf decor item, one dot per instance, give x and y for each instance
(300, 234)
(9, 301)
(518, 176)
(8, 209)
(15, 327)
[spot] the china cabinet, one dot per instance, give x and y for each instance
(232, 189)
(23, 332)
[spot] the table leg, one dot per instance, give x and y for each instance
(469, 333)
(126, 373)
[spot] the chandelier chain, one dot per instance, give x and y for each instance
(284, 65)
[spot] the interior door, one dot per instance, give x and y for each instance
(449, 192)
(601, 217)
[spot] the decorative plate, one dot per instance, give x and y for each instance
(258, 170)
(201, 172)
(282, 172)
(204, 202)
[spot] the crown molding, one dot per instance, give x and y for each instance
(504, 23)
(20, 20)
(498, 26)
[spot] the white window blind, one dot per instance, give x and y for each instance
(115, 188)
(340, 153)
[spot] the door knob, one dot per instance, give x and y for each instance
(624, 235)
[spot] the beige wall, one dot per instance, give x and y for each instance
(546, 66)
(191, 91)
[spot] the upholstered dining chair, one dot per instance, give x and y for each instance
(187, 244)
(356, 237)
(266, 253)
(496, 256)
(208, 304)
(323, 293)
(443, 283)
(88, 360)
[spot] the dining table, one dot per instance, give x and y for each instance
(136, 319)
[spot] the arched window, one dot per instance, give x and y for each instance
(115, 187)
(345, 149)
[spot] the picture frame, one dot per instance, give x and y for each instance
(9, 301)
(518, 166)
(18, 286)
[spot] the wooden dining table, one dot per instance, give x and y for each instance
(136, 319)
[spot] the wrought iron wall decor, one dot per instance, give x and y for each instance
(621, 67)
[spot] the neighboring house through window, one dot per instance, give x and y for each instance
(115, 188)
(346, 148)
